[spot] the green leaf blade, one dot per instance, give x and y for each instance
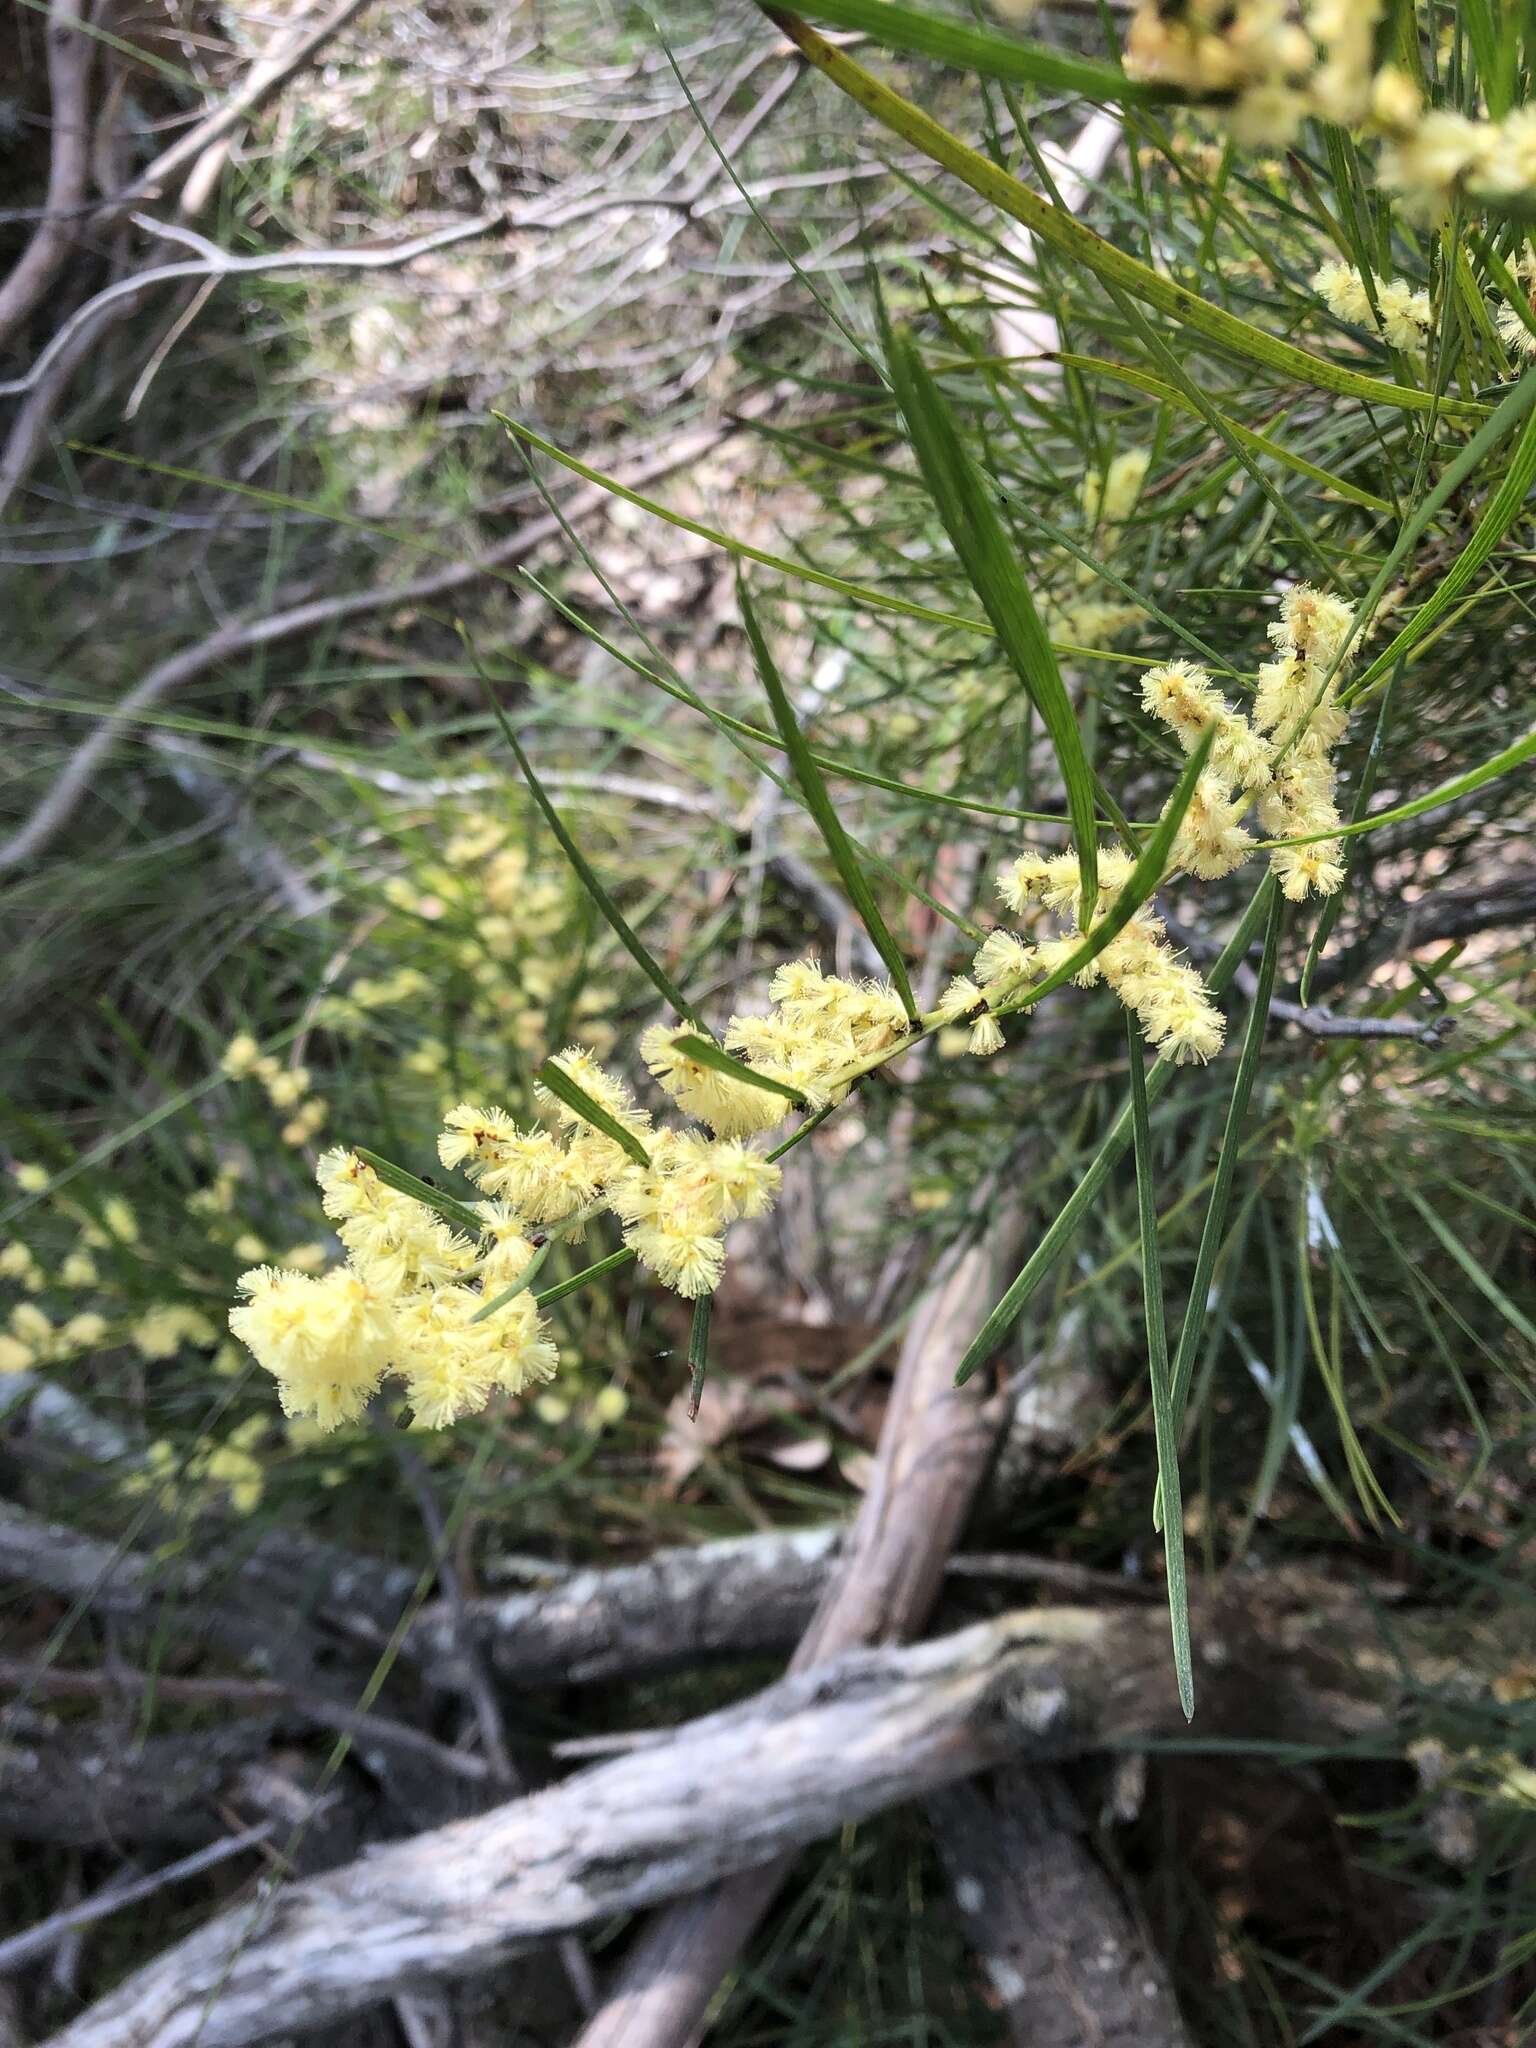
(705, 1053)
(561, 1085)
(823, 813)
(986, 554)
(652, 968)
(1163, 1421)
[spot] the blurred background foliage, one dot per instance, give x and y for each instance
(317, 840)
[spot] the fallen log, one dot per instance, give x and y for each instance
(1283, 1658)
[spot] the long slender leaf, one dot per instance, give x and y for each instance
(705, 1053)
(1515, 755)
(1214, 1227)
(698, 1353)
(1258, 444)
(520, 1285)
(821, 808)
(1511, 410)
(559, 1082)
(1478, 1274)
(741, 550)
(1498, 516)
(741, 728)
(1164, 1423)
(983, 50)
(599, 1270)
(987, 555)
(459, 1214)
(652, 968)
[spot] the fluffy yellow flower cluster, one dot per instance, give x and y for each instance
(32, 1338)
(420, 1299)
(1169, 998)
(1513, 331)
(405, 1301)
(1282, 756)
(496, 918)
(1399, 312)
(675, 1201)
(1279, 63)
(1109, 499)
(230, 1470)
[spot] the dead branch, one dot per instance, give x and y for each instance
(83, 326)
(70, 51)
(99, 1787)
(290, 55)
(1282, 1658)
(739, 1598)
(286, 1702)
(36, 1941)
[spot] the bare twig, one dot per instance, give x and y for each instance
(52, 1681)
(70, 51)
(36, 1941)
(292, 54)
(213, 262)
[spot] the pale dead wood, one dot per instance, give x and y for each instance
(70, 52)
(742, 1597)
(934, 1448)
(1281, 1659)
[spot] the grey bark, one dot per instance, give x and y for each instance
(682, 1606)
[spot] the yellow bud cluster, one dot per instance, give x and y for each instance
(160, 1332)
(1297, 707)
(1108, 500)
(1402, 314)
(1169, 999)
(1281, 755)
(287, 1087)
